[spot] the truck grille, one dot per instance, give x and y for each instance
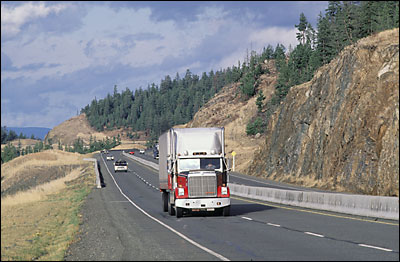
(202, 186)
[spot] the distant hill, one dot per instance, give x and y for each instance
(38, 132)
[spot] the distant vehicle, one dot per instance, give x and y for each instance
(131, 152)
(120, 165)
(155, 153)
(105, 151)
(110, 157)
(141, 151)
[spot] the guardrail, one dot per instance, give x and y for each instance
(96, 170)
(362, 205)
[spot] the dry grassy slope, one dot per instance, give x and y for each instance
(41, 194)
(78, 127)
(68, 131)
(228, 109)
(24, 143)
(26, 172)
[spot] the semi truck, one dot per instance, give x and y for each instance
(193, 173)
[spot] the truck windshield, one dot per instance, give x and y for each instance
(199, 163)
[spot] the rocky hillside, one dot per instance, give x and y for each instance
(340, 130)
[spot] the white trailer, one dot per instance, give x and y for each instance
(193, 173)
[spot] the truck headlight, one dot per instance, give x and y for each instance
(224, 190)
(181, 191)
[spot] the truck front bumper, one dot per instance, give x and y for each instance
(202, 203)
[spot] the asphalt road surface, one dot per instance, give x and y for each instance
(124, 221)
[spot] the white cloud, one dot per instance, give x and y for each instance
(273, 36)
(65, 54)
(13, 18)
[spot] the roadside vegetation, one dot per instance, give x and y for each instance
(39, 220)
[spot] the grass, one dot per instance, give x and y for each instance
(40, 223)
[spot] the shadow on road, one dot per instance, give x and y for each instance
(103, 184)
(243, 209)
(236, 210)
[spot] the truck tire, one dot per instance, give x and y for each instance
(164, 197)
(171, 209)
(179, 212)
(218, 211)
(226, 211)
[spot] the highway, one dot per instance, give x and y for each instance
(255, 230)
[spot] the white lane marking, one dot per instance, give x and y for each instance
(165, 225)
(274, 225)
(380, 248)
(313, 234)
(247, 218)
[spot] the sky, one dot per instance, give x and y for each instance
(56, 57)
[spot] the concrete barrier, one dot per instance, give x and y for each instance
(361, 205)
(96, 170)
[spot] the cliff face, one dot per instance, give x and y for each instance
(340, 130)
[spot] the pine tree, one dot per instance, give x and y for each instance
(302, 27)
(259, 100)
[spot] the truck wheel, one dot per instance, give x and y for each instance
(179, 212)
(164, 197)
(171, 209)
(226, 211)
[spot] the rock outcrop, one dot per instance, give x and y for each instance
(340, 131)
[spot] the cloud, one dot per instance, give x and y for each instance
(273, 36)
(6, 63)
(13, 18)
(56, 57)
